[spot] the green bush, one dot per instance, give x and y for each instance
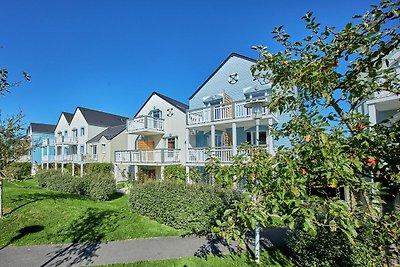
(176, 173)
(97, 168)
(99, 186)
(18, 170)
(190, 207)
(333, 249)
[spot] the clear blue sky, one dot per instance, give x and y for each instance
(110, 55)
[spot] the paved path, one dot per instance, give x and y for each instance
(123, 251)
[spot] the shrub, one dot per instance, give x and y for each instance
(189, 207)
(96, 186)
(144, 176)
(97, 168)
(176, 173)
(99, 186)
(333, 249)
(18, 170)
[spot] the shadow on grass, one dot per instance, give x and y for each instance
(26, 199)
(23, 232)
(85, 234)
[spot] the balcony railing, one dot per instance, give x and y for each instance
(75, 158)
(25, 158)
(66, 140)
(235, 110)
(143, 124)
(158, 156)
(48, 158)
(201, 155)
(48, 142)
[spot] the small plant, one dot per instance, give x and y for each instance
(176, 173)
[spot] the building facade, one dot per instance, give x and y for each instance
(156, 137)
(227, 110)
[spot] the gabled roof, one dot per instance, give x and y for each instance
(179, 105)
(100, 118)
(68, 116)
(220, 66)
(42, 128)
(109, 133)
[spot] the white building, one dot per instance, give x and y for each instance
(156, 137)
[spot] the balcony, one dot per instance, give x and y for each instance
(48, 158)
(201, 155)
(64, 140)
(77, 158)
(25, 158)
(47, 142)
(157, 156)
(222, 113)
(145, 125)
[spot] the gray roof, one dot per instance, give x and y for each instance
(68, 116)
(42, 128)
(109, 133)
(179, 105)
(99, 118)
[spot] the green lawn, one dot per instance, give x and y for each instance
(34, 215)
(268, 258)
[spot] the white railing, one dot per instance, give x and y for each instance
(48, 142)
(199, 116)
(147, 156)
(48, 158)
(66, 140)
(201, 155)
(145, 123)
(75, 158)
(221, 113)
(25, 158)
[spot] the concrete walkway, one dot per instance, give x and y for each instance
(126, 251)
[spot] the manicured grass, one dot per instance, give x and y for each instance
(268, 258)
(34, 215)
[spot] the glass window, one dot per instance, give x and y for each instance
(65, 133)
(82, 131)
(75, 132)
(262, 138)
(94, 149)
(59, 133)
(82, 149)
(103, 148)
(171, 143)
(156, 113)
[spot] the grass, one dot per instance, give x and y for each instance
(34, 216)
(268, 258)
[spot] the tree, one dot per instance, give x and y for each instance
(323, 80)
(13, 143)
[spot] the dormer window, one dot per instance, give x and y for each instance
(156, 113)
(256, 92)
(213, 100)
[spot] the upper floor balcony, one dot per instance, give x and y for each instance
(145, 125)
(76, 158)
(65, 140)
(234, 111)
(156, 156)
(48, 142)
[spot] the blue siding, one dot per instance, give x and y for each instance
(36, 151)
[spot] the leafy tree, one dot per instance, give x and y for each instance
(323, 80)
(13, 143)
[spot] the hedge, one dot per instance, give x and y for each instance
(175, 173)
(333, 249)
(98, 167)
(189, 207)
(18, 170)
(99, 186)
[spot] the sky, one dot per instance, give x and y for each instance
(110, 55)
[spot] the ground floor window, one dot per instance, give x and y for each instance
(262, 138)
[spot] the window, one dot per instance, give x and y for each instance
(103, 148)
(262, 138)
(82, 149)
(256, 94)
(65, 133)
(171, 143)
(82, 131)
(156, 113)
(59, 134)
(94, 150)
(74, 132)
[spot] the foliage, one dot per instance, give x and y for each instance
(18, 170)
(96, 186)
(99, 167)
(64, 218)
(182, 206)
(194, 175)
(328, 249)
(322, 81)
(144, 176)
(99, 186)
(175, 173)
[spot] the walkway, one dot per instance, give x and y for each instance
(126, 251)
